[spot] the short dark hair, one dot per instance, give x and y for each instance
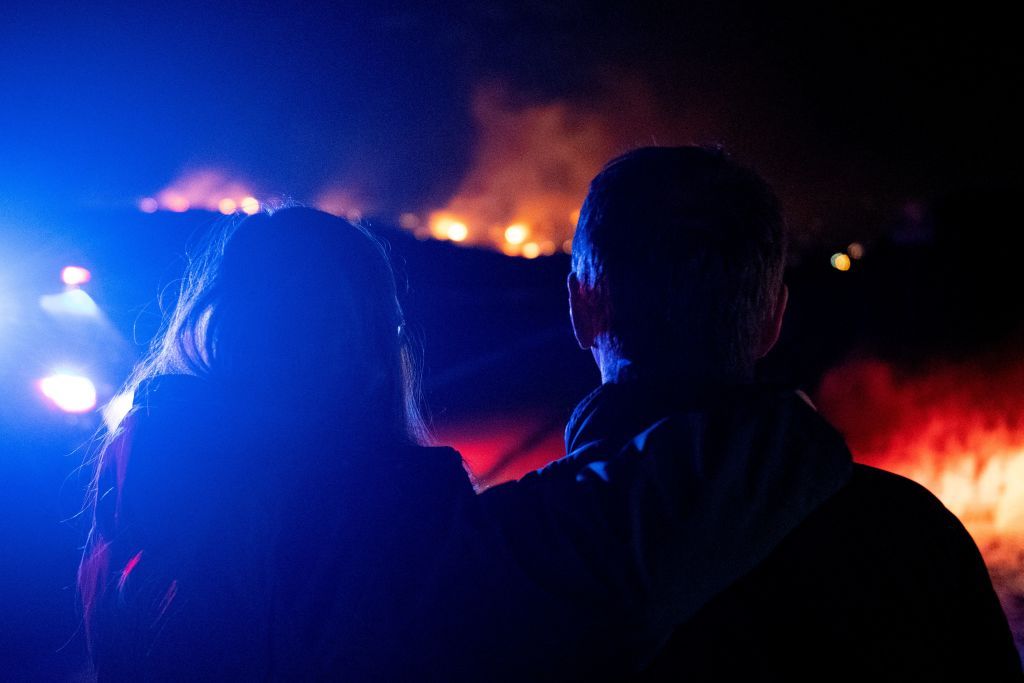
(684, 249)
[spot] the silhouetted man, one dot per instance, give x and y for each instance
(676, 288)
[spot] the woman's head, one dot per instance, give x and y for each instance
(295, 309)
(294, 320)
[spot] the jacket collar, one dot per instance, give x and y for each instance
(615, 412)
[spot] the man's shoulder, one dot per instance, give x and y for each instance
(890, 486)
(883, 569)
(879, 516)
(895, 504)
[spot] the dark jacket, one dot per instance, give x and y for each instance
(666, 498)
(879, 583)
(245, 550)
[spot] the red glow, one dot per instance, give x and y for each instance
(957, 429)
(500, 448)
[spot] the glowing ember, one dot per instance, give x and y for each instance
(250, 205)
(445, 227)
(517, 233)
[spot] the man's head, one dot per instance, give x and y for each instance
(677, 265)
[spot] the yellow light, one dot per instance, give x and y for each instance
(547, 247)
(457, 232)
(574, 217)
(250, 205)
(439, 229)
(227, 206)
(531, 250)
(148, 205)
(841, 262)
(856, 251)
(510, 249)
(567, 246)
(516, 233)
(444, 227)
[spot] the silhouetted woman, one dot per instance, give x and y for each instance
(270, 461)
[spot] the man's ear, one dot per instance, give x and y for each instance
(581, 312)
(773, 325)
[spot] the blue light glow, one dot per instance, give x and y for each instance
(73, 302)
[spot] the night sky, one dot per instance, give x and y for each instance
(848, 111)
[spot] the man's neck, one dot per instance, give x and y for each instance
(616, 369)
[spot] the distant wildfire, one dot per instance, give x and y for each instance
(531, 167)
(205, 188)
(529, 173)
